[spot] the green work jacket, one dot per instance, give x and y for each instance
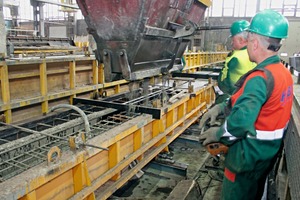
(255, 125)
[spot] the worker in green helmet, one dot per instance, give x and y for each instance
(257, 114)
(237, 62)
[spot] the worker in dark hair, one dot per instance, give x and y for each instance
(257, 113)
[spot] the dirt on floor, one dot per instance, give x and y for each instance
(157, 183)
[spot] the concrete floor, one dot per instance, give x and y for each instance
(201, 167)
(158, 182)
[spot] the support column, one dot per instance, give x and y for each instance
(38, 17)
(2, 33)
(72, 74)
(44, 86)
(42, 21)
(95, 93)
(5, 91)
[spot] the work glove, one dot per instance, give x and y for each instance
(209, 136)
(212, 114)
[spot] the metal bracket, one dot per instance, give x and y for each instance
(126, 71)
(53, 154)
(185, 31)
(107, 65)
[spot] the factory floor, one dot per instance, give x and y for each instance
(186, 160)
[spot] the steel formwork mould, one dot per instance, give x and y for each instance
(31, 168)
(21, 150)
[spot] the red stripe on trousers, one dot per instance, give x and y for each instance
(229, 175)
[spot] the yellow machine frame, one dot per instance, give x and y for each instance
(81, 174)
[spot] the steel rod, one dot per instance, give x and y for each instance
(53, 136)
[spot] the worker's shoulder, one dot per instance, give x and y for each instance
(230, 54)
(263, 73)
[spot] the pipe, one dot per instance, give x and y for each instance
(83, 115)
(202, 28)
(58, 4)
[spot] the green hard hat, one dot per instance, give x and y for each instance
(270, 23)
(238, 27)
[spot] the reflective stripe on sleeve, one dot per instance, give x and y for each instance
(218, 90)
(268, 135)
(226, 133)
(260, 135)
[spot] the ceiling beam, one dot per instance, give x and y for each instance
(59, 4)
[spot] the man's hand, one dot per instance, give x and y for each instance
(209, 136)
(212, 114)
